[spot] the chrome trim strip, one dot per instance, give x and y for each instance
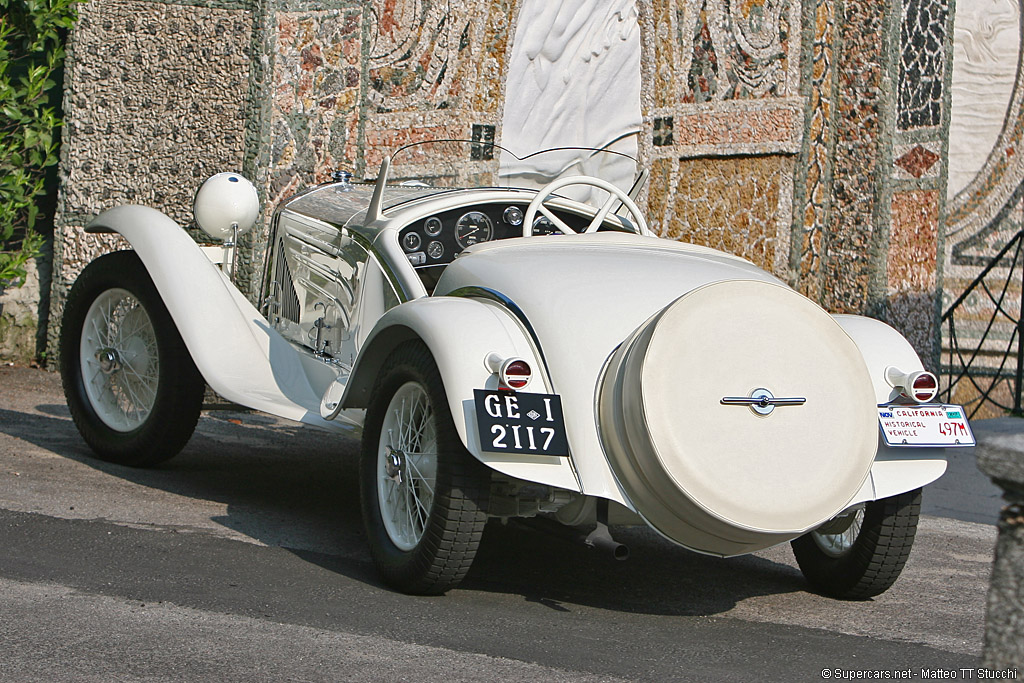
(513, 308)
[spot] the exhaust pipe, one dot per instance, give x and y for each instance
(599, 539)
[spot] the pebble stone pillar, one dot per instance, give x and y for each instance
(1004, 622)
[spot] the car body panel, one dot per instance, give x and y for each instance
(241, 357)
(485, 328)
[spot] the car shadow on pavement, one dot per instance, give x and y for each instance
(279, 483)
(288, 486)
(658, 578)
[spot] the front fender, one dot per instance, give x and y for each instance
(460, 333)
(234, 347)
(895, 470)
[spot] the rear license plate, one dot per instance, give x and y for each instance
(516, 422)
(924, 425)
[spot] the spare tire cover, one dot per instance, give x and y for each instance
(721, 478)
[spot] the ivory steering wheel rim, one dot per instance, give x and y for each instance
(616, 194)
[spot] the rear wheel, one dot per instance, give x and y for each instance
(861, 555)
(424, 496)
(130, 383)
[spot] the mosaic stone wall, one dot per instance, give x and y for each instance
(435, 70)
(724, 121)
(771, 126)
(922, 63)
(315, 104)
(156, 101)
(707, 194)
(812, 189)
(917, 172)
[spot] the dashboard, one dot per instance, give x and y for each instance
(436, 240)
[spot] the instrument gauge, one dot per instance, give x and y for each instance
(513, 215)
(435, 250)
(543, 226)
(472, 228)
(411, 241)
(433, 226)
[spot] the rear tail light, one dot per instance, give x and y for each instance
(515, 373)
(924, 387)
(920, 386)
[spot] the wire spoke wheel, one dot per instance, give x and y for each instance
(407, 466)
(836, 541)
(119, 359)
(132, 388)
(424, 497)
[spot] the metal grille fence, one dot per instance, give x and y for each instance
(984, 341)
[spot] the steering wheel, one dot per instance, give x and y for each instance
(639, 224)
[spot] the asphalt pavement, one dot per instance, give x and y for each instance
(243, 559)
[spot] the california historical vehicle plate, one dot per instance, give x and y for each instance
(924, 425)
(517, 422)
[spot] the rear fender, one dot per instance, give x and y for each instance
(234, 347)
(460, 333)
(895, 470)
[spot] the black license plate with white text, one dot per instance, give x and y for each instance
(518, 422)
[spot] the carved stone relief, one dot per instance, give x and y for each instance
(986, 45)
(574, 80)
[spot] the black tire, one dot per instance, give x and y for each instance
(875, 558)
(436, 559)
(162, 430)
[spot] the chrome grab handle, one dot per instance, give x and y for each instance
(762, 401)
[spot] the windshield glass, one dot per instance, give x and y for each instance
(443, 164)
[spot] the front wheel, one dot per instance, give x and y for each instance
(130, 383)
(860, 555)
(424, 496)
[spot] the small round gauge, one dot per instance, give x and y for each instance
(513, 215)
(543, 226)
(411, 241)
(435, 250)
(433, 226)
(473, 227)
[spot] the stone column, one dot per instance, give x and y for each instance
(1004, 621)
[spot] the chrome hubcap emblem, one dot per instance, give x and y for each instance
(764, 405)
(109, 361)
(393, 465)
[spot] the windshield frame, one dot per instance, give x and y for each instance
(411, 185)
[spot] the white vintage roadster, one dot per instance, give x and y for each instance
(522, 348)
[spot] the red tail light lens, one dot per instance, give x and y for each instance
(925, 386)
(516, 374)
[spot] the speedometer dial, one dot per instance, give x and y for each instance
(473, 227)
(543, 226)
